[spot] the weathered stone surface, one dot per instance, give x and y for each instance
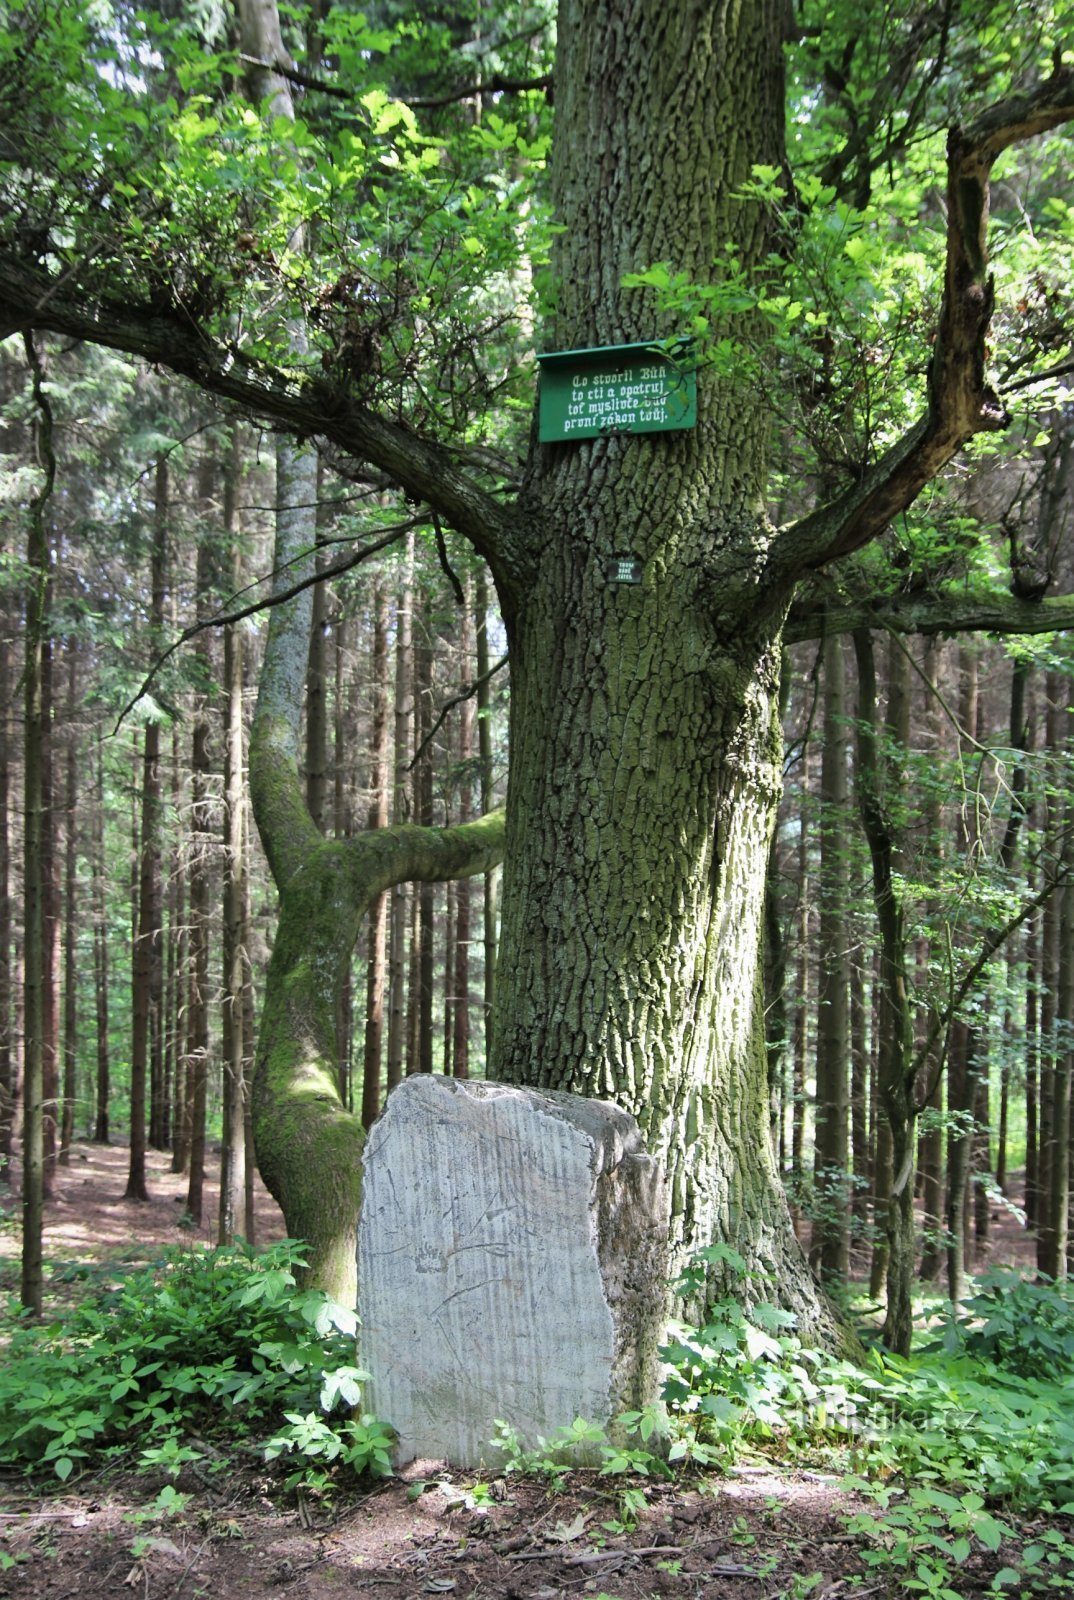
(511, 1264)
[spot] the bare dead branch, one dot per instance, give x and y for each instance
(449, 705)
(223, 619)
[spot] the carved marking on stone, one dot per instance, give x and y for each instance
(511, 1264)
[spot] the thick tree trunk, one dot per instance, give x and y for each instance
(646, 752)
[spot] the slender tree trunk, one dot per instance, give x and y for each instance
(100, 959)
(895, 1077)
(931, 1144)
(71, 917)
(961, 1086)
(963, 1057)
(830, 1251)
(460, 1052)
(801, 1015)
(348, 741)
(1055, 1236)
(377, 942)
(447, 1034)
(1051, 966)
(50, 846)
(7, 1053)
(775, 951)
(201, 836)
(146, 974)
(233, 1222)
(397, 1014)
(38, 565)
(317, 680)
(424, 947)
(308, 1145)
(893, 1097)
(859, 1095)
(1007, 1049)
(1033, 1043)
(490, 896)
(248, 1060)
(981, 1159)
(175, 1073)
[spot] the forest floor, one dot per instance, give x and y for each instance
(759, 1532)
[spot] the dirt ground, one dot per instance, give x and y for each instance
(744, 1539)
(756, 1533)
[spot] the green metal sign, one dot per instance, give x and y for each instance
(626, 388)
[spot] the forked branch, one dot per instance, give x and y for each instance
(961, 401)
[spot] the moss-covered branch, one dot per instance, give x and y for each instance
(308, 1144)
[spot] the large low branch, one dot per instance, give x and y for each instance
(961, 401)
(408, 853)
(308, 1144)
(305, 405)
(951, 611)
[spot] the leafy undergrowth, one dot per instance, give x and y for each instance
(214, 1343)
(962, 1455)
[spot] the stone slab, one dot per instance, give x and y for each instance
(512, 1264)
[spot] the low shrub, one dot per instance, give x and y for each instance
(219, 1343)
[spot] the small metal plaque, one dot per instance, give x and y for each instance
(630, 388)
(623, 569)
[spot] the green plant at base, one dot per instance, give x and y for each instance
(920, 1539)
(364, 1444)
(219, 1339)
(965, 1434)
(1023, 1325)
